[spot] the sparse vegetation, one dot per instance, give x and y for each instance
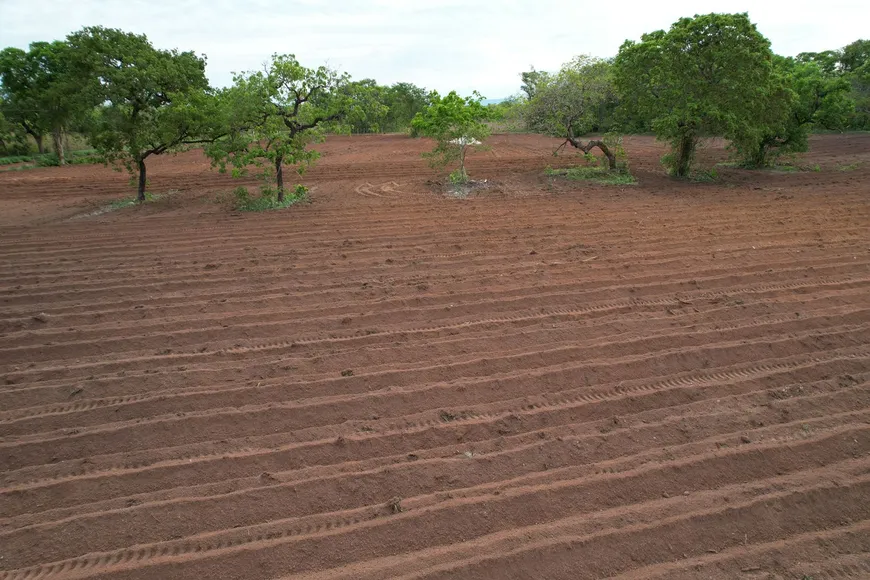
(267, 199)
(594, 173)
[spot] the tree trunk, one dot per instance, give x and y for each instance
(462, 150)
(39, 146)
(140, 195)
(685, 153)
(279, 177)
(57, 139)
(611, 158)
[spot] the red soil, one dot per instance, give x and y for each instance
(547, 380)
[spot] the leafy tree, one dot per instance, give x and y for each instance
(532, 80)
(404, 101)
(456, 124)
(809, 97)
(710, 75)
(275, 114)
(41, 92)
(374, 109)
(151, 101)
(828, 61)
(20, 95)
(387, 109)
(38, 92)
(855, 56)
(511, 113)
(568, 104)
(851, 63)
(855, 63)
(13, 140)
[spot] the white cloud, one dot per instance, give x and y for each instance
(439, 44)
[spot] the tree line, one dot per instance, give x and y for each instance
(133, 101)
(713, 75)
(710, 75)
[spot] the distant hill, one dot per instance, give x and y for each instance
(493, 101)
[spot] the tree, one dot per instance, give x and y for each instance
(568, 104)
(40, 92)
(808, 98)
(511, 113)
(710, 75)
(150, 101)
(532, 80)
(404, 101)
(854, 56)
(828, 61)
(374, 99)
(456, 124)
(275, 114)
(856, 67)
(13, 140)
(20, 81)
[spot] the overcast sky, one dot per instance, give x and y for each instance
(437, 44)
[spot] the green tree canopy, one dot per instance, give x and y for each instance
(532, 80)
(456, 124)
(150, 101)
(569, 104)
(710, 75)
(39, 92)
(274, 115)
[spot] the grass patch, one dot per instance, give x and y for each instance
(850, 167)
(122, 203)
(791, 168)
(12, 159)
(242, 200)
(595, 174)
(80, 157)
(704, 175)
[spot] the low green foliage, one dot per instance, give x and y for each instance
(704, 175)
(594, 173)
(267, 199)
(48, 160)
(850, 167)
(126, 202)
(87, 156)
(12, 159)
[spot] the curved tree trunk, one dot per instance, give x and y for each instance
(40, 148)
(140, 194)
(279, 176)
(611, 158)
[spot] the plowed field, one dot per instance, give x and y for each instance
(548, 379)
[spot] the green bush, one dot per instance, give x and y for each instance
(48, 160)
(268, 198)
(12, 159)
